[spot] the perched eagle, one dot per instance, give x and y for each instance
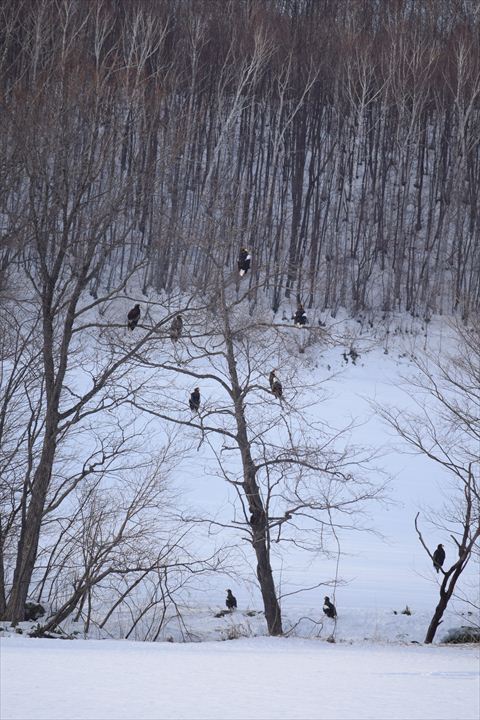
(231, 601)
(133, 317)
(275, 385)
(194, 401)
(244, 259)
(176, 328)
(438, 558)
(329, 608)
(300, 317)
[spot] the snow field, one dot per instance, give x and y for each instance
(262, 678)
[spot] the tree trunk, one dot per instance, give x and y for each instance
(437, 618)
(259, 520)
(30, 533)
(267, 586)
(259, 524)
(448, 586)
(3, 600)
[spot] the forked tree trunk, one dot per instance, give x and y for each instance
(31, 528)
(446, 591)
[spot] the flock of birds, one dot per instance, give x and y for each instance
(328, 607)
(300, 320)
(176, 328)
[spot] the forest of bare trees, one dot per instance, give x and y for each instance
(337, 140)
(141, 144)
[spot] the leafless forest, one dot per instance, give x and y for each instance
(337, 140)
(148, 141)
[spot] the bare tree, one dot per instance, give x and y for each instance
(65, 202)
(446, 429)
(293, 483)
(111, 546)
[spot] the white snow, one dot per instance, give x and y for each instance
(261, 678)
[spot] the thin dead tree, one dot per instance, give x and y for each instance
(465, 542)
(446, 429)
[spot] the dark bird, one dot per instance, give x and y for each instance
(438, 558)
(244, 259)
(277, 389)
(231, 601)
(329, 608)
(133, 317)
(271, 379)
(194, 401)
(176, 328)
(300, 317)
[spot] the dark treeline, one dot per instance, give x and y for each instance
(337, 139)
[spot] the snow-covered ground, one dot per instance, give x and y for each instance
(256, 678)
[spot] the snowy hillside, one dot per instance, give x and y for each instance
(372, 574)
(384, 570)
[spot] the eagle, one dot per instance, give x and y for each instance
(194, 401)
(243, 263)
(176, 328)
(329, 608)
(275, 385)
(438, 557)
(300, 317)
(231, 601)
(133, 317)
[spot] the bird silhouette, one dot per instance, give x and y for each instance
(243, 263)
(176, 328)
(300, 316)
(329, 608)
(275, 385)
(438, 557)
(194, 401)
(133, 317)
(231, 601)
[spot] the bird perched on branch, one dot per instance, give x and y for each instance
(329, 608)
(176, 328)
(231, 601)
(133, 317)
(244, 259)
(275, 385)
(300, 316)
(194, 401)
(438, 557)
